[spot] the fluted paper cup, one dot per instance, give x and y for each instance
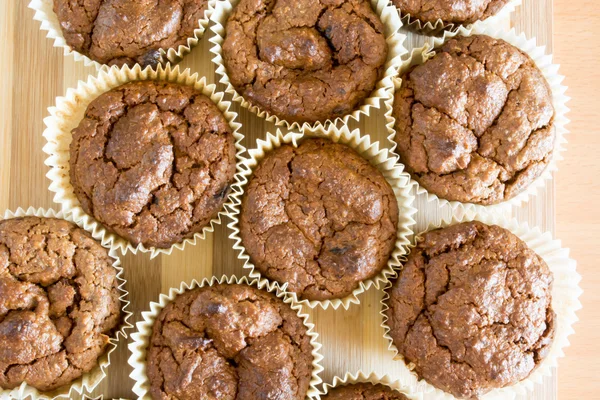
(361, 377)
(68, 113)
(88, 381)
(436, 27)
(141, 338)
(394, 39)
(44, 12)
(559, 101)
(380, 158)
(565, 302)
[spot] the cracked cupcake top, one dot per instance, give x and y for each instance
(59, 302)
(363, 391)
(229, 342)
(304, 60)
(117, 32)
(472, 309)
(318, 217)
(152, 161)
(475, 122)
(450, 11)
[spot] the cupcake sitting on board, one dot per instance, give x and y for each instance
(475, 123)
(363, 391)
(450, 11)
(60, 308)
(118, 32)
(305, 61)
(226, 339)
(319, 218)
(471, 310)
(152, 161)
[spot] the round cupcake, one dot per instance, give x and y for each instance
(117, 32)
(59, 305)
(152, 161)
(318, 217)
(450, 11)
(475, 123)
(229, 342)
(363, 391)
(472, 309)
(304, 61)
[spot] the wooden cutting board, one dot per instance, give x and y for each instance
(34, 74)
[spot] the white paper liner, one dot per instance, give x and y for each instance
(394, 39)
(67, 115)
(44, 12)
(436, 27)
(361, 377)
(141, 337)
(379, 158)
(101, 397)
(559, 101)
(88, 381)
(565, 302)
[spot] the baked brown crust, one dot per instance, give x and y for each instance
(450, 11)
(118, 32)
(304, 60)
(472, 309)
(152, 161)
(364, 391)
(318, 217)
(227, 342)
(475, 123)
(59, 302)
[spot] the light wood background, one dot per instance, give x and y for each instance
(34, 73)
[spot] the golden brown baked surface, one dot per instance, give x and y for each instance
(472, 309)
(318, 217)
(304, 60)
(59, 302)
(475, 123)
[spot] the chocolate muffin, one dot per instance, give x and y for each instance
(117, 32)
(229, 342)
(318, 217)
(475, 123)
(471, 309)
(302, 60)
(364, 391)
(152, 161)
(59, 304)
(450, 11)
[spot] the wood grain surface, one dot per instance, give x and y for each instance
(34, 73)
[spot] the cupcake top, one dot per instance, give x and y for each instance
(471, 309)
(450, 11)
(117, 32)
(302, 60)
(475, 123)
(229, 342)
(318, 217)
(152, 161)
(363, 391)
(59, 304)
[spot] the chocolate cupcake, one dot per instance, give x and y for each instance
(472, 309)
(363, 391)
(450, 11)
(318, 217)
(152, 161)
(59, 305)
(117, 32)
(229, 342)
(475, 123)
(304, 61)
